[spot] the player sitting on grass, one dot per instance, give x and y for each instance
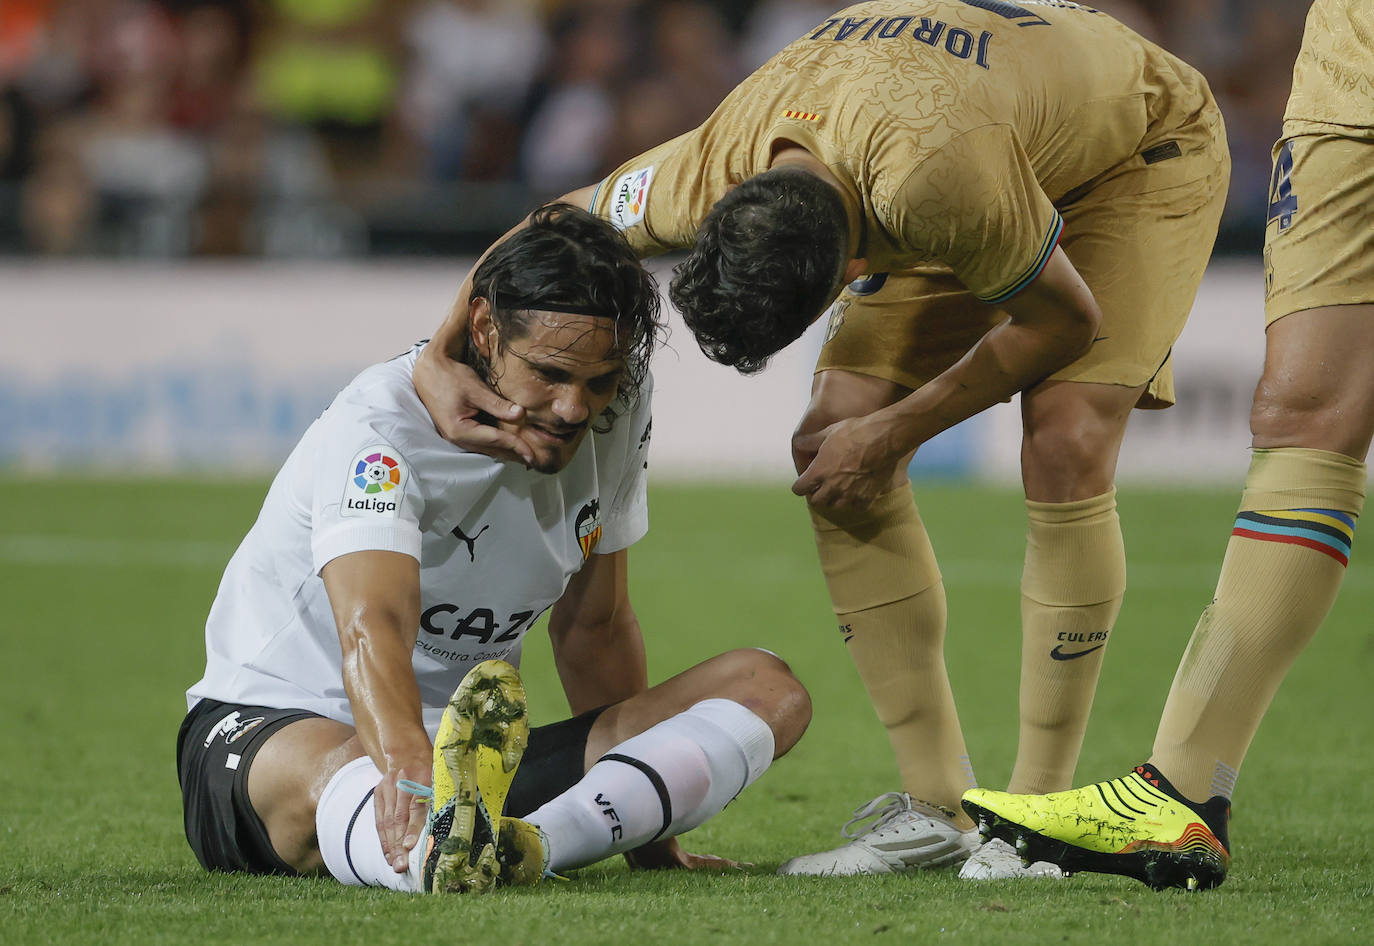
(386, 563)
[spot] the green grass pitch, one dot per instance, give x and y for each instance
(106, 586)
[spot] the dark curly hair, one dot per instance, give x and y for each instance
(567, 260)
(767, 261)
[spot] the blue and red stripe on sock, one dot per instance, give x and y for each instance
(1328, 531)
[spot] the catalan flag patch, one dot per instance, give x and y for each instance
(802, 116)
(1328, 531)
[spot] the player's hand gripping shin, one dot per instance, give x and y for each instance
(401, 813)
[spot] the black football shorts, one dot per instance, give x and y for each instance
(218, 741)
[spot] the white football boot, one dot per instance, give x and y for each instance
(904, 835)
(998, 860)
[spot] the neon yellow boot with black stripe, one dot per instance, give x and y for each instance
(1137, 826)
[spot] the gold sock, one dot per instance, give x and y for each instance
(1071, 590)
(890, 604)
(1282, 570)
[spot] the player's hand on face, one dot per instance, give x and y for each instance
(852, 464)
(669, 855)
(456, 398)
(400, 813)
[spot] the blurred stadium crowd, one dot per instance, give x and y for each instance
(322, 128)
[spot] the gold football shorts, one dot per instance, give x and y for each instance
(1141, 248)
(1319, 238)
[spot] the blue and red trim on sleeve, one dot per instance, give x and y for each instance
(1031, 272)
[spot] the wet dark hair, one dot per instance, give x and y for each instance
(768, 259)
(567, 260)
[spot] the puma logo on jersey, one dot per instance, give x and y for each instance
(469, 541)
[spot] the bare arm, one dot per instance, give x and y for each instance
(375, 597)
(452, 392)
(1053, 321)
(597, 644)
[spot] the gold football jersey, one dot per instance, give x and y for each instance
(958, 126)
(1333, 78)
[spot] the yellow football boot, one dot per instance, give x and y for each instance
(1138, 826)
(468, 847)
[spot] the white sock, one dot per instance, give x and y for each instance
(346, 826)
(659, 784)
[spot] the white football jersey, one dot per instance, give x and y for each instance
(496, 544)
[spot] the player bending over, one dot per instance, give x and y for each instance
(1313, 418)
(1006, 197)
(386, 563)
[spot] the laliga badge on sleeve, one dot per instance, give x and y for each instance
(376, 482)
(629, 197)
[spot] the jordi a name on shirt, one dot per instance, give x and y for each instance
(957, 42)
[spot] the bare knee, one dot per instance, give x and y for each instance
(1272, 417)
(803, 450)
(837, 395)
(1067, 461)
(756, 679)
(820, 414)
(763, 682)
(1072, 435)
(1287, 413)
(1316, 390)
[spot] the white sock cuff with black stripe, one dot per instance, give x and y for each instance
(738, 746)
(745, 728)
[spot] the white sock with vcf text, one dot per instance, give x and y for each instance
(667, 780)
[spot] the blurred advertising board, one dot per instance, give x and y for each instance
(217, 368)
